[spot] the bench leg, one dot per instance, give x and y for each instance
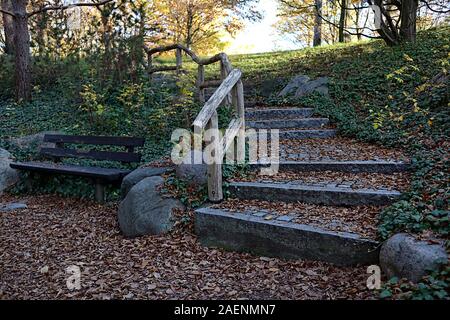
(99, 192)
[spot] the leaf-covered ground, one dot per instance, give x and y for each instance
(40, 242)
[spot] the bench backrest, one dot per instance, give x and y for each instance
(60, 152)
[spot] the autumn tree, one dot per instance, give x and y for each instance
(303, 19)
(20, 13)
(394, 21)
(199, 23)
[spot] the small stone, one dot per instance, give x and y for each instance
(284, 218)
(260, 214)
(44, 269)
(12, 206)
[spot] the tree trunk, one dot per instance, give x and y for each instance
(357, 17)
(317, 40)
(189, 24)
(342, 20)
(408, 15)
(8, 26)
(22, 51)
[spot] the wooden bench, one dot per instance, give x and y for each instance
(100, 176)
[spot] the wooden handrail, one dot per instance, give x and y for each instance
(203, 62)
(230, 91)
(218, 96)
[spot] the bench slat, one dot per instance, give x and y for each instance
(91, 154)
(107, 174)
(95, 140)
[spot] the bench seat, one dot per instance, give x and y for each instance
(105, 174)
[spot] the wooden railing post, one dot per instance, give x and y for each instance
(200, 80)
(179, 59)
(240, 109)
(223, 76)
(214, 160)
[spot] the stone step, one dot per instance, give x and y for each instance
(288, 123)
(326, 195)
(274, 238)
(341, 166)
(280, 113)
(300, 134)
(305, 134)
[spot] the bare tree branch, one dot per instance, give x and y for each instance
(65, 7)
(434, 10)
(7, 12)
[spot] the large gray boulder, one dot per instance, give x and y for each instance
(403, 256)
(8, 176)
(137, 175)
(145, 211)
(293, 85)
(319, 85)
(192, 169)
(302, 85)
(33, 142)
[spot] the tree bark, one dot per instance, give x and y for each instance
(8, 26)
(22, 51)
(357, 16)
(342, 20)
(317, 40)
(408, 15)
(189, 24)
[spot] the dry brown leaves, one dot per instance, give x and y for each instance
(163, 162)
(338, 148)
(393, 181)
(40, 242)
(359, 219)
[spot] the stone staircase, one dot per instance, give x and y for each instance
(335, 175)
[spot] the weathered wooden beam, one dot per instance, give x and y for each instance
(231, 132)
(210, 84)
(214, 161)
(179, 59)
(223, 75)
(240, 108)
(215, 100)
(200, 80)
(213, 59)
(162, 68)
(161, 49)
